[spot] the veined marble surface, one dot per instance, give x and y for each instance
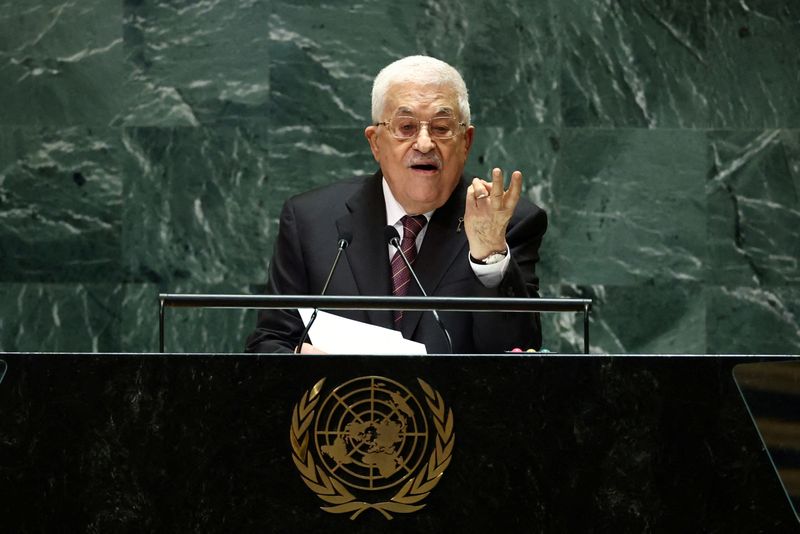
(191, 63)
(60, 317)
(60, 204)
(753, 193)
(630, 205)
(148, 146)
(61, 63)
(196, 205)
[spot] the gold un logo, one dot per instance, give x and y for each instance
(368, 445)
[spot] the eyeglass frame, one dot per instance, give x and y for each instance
(427, 124)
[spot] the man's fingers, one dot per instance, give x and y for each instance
(498, 197)
(479, 188)
(514, 189)
(307, 348)
(497, 188)
(497, 182)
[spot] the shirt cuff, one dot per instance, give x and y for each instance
(491, 275)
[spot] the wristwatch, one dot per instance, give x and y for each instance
(494, 257)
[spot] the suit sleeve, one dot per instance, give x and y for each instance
(279, 330)
(523, 330)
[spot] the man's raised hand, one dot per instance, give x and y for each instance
(489, 207)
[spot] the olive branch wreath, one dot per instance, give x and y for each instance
(330, 490)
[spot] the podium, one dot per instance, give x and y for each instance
(524, 442)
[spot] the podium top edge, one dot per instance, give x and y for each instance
(373, 302)
(772, 357)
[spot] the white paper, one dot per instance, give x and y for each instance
(339, 335)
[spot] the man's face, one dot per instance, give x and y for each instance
(421, 172)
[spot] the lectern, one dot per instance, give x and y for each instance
(439, 443)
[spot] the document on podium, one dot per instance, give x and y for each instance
(339, 335)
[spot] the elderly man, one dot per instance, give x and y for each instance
(465, 237)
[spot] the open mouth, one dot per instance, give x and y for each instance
(425, 167)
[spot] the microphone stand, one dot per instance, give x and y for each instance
(343, 242)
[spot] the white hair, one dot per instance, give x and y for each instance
(422, 70)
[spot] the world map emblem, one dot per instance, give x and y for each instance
(371, 444)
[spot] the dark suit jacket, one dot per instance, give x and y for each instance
(310, 226)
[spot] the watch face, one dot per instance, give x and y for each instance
(494, 258)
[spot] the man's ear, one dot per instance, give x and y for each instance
(469, 135)
(371, 133)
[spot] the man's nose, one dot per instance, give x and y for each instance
(424, 141)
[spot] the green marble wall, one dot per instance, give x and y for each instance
(147, 146)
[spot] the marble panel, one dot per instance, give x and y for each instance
(60, 203)
(185, 329)
(630, 206)
(196, 62)
(61, 63)
(323, 61)
(507, 51)
(647, 319)
(60, 317)
(305, 157)
(754, 67)
(753, 196)
(634, 63)
(749, 320)
(197, 205)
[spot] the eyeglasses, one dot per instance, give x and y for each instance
(407, 127)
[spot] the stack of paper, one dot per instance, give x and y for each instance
(338, 335)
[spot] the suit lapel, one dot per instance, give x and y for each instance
(367, 255)
(444, 242)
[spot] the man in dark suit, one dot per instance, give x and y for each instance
(466, 237)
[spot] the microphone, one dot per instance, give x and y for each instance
(393, 238)
(344, 240)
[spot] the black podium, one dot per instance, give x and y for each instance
(244, 443)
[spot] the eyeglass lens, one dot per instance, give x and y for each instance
(405, 127)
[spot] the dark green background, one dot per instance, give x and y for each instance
(147, 147)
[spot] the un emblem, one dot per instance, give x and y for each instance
(369, 437)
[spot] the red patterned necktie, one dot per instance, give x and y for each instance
(401, 276)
